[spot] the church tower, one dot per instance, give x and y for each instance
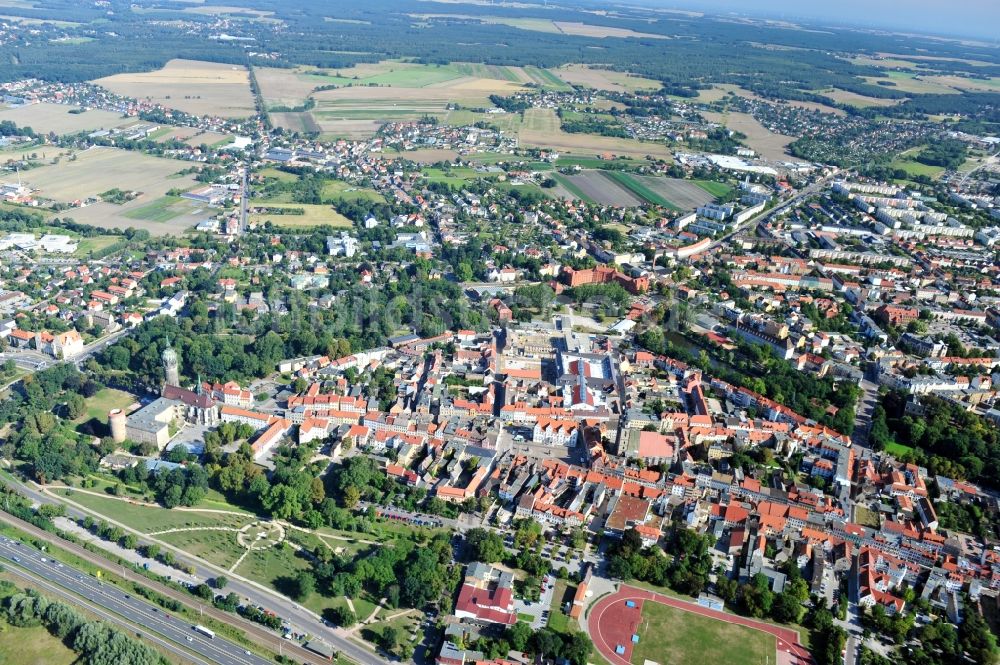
(170, 364)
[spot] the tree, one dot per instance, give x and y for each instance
(220, 582)
(351, 497)
(390, 638)
(302, 585)
(485, 545)
(343, 616)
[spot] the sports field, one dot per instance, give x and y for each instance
(192, 86)
(635, 626)
(668, 635)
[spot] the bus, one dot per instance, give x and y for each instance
(204, 631)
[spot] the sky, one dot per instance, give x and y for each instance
(972, 18)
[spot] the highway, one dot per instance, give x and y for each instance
(256, 594)
(125, 610)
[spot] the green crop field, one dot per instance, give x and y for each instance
(159, 210)
(716, 189)
(571, 187)
(639, 189)
(669, 635)
(338, 190)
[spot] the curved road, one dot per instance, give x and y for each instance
(788, 647)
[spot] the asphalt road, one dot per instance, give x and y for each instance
(127, 607)
(301, 618)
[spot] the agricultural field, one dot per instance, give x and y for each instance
(556, 27)
(668, 635)
(192, 86)
(161, 210)
(604, 79)
(966, 84)
(58, 119)
(600, 187)
(854, 99)
(313, 215)
(913, 83)
(767, 144)
(541, 130)
(370, 94)
(96, 170)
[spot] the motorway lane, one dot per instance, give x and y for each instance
(132, 609)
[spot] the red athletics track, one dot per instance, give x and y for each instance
(606, 629)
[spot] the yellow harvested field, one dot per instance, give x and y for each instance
(854, 99)
(57, 118)
(425, 155)
(283, 87)
(966, 84)
(568, 27)
(217, 10)
(911, 83)
(99, 169)
(192, 86)
(604, 79)
(601, 31)
(541, 130)
(767, 144)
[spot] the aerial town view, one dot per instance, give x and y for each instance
(482, 332)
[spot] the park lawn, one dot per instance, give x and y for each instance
(33, 646)
(915, 168)
(103, 401)
(866, 517)
(669, 635)
(338, 190)
(716, 189)
(898, 449)
(159, 210)
(278, 174)
(558, 620)
(217, 547)
(455, 176)
(95, 244)
(148, 519)
(404, 625)
(313, 215)
(269, 566)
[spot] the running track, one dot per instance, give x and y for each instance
(789, 651)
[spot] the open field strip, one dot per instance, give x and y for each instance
(192, 86)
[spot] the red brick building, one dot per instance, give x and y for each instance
(605, 275)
